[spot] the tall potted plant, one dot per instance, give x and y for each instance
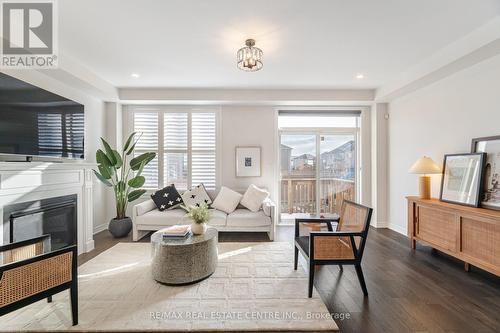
(125, 179)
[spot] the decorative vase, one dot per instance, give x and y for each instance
(120, 227)
(198, 228)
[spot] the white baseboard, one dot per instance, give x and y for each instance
(100, 228)
(379, 224)
(398, 228)
(89, 246)
(285, 225)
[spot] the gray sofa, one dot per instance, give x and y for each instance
(146, 217)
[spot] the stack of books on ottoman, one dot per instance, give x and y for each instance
(176, 231)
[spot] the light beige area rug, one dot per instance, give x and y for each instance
(254, 288)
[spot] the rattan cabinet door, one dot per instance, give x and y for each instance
(437, 227)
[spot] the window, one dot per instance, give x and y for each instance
(315, 121)
(185, 142)
(319, 159)
(147, 124)
(203, 149)
(175, 143)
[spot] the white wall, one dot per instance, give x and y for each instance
(114, 136)
(94, 123)
(379, 150)
(294, 97)
(438, 119)
(248, 126)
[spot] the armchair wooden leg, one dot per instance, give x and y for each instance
(361, 279)
(74, 303)
(311, 278)
(49, 299)
(296, 258)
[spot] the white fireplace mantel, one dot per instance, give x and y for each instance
(29, 181)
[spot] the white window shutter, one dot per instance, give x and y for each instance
(185, 143)
(203, 148)
(175, 146)
(147, 124)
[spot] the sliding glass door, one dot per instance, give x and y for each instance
(298, 174)
(319, 165)
(337, 171)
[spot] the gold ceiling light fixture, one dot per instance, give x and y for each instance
(250, 57)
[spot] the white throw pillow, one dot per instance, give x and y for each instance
(227, 200)
(196, 196)
(253, 198)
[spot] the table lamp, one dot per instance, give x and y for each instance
(425, 166)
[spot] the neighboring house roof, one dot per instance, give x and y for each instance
(304, 157)
(348, 146)
(285, 147)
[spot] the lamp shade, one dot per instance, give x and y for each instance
(425, 165)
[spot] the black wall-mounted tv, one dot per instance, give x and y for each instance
(36, 122)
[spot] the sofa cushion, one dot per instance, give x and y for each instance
(164, 218)
(247, 218)
(227, 200)
(268, 206)
(145, 207)
(253, 198)
(196, 196)
(212, 194)
(218, 218)
(178, 216)
(167, 198)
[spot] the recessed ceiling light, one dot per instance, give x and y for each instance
(135, 75)
(360, 76)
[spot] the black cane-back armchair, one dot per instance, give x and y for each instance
(344, 246)
(30, 272)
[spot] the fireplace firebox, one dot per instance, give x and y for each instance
(54, 216)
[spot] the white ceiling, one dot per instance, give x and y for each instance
(306, 44)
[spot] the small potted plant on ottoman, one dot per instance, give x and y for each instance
(200, 216)
(125, 179)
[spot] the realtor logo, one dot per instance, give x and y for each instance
(29, 36)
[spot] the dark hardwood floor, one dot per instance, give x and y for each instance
(420, 291)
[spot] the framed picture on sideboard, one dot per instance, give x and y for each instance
(490, 197)
(462, 180)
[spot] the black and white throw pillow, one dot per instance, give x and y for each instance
(196, 196)
(167, 198)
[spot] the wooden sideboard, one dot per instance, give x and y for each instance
(467, 233)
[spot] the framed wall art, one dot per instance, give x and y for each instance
(462, 180)
(248, 162)
(490, 196)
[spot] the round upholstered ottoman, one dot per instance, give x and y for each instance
(184, 260)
